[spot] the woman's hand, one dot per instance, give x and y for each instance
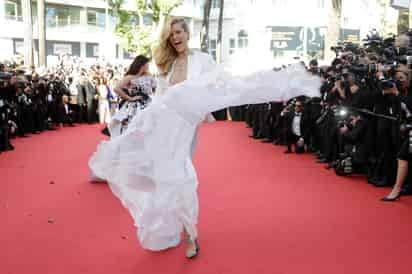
(135, 98)
(338, 84)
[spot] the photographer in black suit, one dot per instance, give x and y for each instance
(7, 126)
(353, 143)
(296, 127)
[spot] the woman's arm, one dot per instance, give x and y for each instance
(124, 83)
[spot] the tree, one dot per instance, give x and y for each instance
(137, 37)
(333, 32)
(204, 35)
(403, 21)
(219, 46)
(387, 27)
(42, 32)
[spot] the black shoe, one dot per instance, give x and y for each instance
(323, 161)
(106, 131)
(10, 147)
(192, 255)
(288, 151)
(256, 137)
(381, 184)
(267, 141)
(387, 199)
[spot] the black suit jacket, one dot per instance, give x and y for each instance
(304, 125)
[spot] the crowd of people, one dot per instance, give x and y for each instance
(361, 122)
(66, 94)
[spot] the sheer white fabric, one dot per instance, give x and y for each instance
(149, 167)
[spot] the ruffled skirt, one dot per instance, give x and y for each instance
(149, 168)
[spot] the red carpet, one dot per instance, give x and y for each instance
(261, 212)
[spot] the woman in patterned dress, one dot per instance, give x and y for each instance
(135, 90)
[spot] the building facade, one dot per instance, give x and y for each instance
(81, 28)
(290, 28)
(279, 28)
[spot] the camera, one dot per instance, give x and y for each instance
(21, 84)
(5, 76)
(387, 84)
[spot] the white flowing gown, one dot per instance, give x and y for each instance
(149, 168)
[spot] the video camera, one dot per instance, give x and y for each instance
(5, 78)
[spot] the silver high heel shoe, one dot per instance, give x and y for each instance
(191, 254)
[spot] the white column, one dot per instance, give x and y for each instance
(6, 48)
(41, 9)
(28, 32)
(83, 50)
(2, 12)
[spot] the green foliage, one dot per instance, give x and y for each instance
(163, 7)
(115, 5)
(137, 38)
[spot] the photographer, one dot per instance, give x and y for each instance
(7, 126)
(297, 126)
(353, 145)
(388, 102)
(38, 98)
(24, 108)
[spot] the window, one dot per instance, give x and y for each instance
(92, 50)
(91, 17)
(57, 16)
(232, 46)
(242, 40)
(12, 10)
(147, 19)
(96, 18)
(60, 48)
(18, 46)
(212, 48)
(96, 50)
(215, 4)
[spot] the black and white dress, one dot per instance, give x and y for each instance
(128, 110)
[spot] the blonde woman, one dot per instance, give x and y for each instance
(149, 167)
(177, 63)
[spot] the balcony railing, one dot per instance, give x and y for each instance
(61, 22)
(14, 18)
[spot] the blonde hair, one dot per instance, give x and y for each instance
(165, 54)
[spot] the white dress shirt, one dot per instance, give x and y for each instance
(296, 124)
